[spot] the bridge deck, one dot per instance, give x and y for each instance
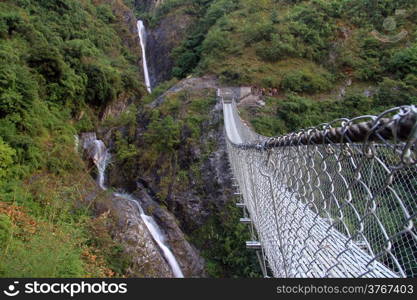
(310, 246)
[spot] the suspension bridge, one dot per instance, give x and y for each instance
(337, 200)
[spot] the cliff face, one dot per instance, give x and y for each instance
(183, 187)
(162, 39)
(148, 5)
(210, 185)
(164, 36)
(131, 232)
(188, 257)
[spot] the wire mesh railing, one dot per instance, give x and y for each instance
(337, 200)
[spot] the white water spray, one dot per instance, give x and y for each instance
(156, 235)
(98, 152)
(142, 38)
(101, 157)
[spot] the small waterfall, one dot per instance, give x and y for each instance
(101, 156)
(142, 38)
(156, 234)
(98, 152)
(101, 159)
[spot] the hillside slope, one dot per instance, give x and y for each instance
(310, 62)
(62, 65)
(337, 57)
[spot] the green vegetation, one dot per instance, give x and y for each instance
(325, 59)
(222, 241)
(61, 62)
(310, 48)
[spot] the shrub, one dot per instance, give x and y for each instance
(280, 47)
(6, 158)
(5, 231)
(10, 22)
(216, 42)
(404, 62)
(395, 93)
(163, 133)
(268, 126)
(105, 14)
(103, 84)
(306, 80)
(262, 31)
(18, 89)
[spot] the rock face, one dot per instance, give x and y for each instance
(128, 228)
(199, 200)
(190, 261)
(161, 40)
(148, 5)
(132, 233)
(202, 200)
(189, 84)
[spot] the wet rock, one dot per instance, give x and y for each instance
(188, 257)
(132, 233)
(161, 40)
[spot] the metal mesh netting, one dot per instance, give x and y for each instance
(323, 208)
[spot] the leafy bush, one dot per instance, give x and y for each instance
(222, 241)
(103, 84)
(6, 158)
(306, 80)
(268, 125)
(188, 55)
(216, 42)
(10, 22)
(261, 31)
(404, 62)
(281, 46)
(395, 93)
(163, 133)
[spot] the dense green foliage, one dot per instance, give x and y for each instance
(61, 62)
(222, 241)
(306, 47)
(324, 59)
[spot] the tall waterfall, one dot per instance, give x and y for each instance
(142, 38)
(101, 157)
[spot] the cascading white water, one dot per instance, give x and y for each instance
(98, 152)
(142, 38)
(100, 155)
(101, 159)
(156, 235)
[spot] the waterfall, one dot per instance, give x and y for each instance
(142, 38)
(101, 157)
(98, 152)
(156, 234)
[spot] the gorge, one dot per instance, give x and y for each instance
(98, 152)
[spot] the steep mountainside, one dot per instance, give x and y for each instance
(336, 57)
(71, 69)
(307, 61)
(63, 65)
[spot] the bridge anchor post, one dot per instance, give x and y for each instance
(245, 220)
(253, 245)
